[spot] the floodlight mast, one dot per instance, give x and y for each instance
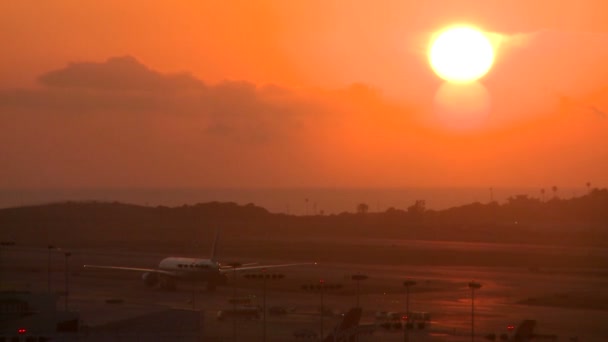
(406, 324)
(473, 286)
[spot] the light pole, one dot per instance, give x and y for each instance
(67, 278)
(321, 286)
(194, 288)
(265, 276)
(473, 286)
(48, 268)
(358, 277)
(4, 244)
(234, 266)
(407, 285)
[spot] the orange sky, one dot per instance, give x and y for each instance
(295, 93)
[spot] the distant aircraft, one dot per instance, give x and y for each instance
(598, 111)
(209, 271)
(567, 104)
(346, 330)
(523, 333)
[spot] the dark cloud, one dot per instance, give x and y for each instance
(54, 101)
(122, 86)
(117, 73)
(123, 92)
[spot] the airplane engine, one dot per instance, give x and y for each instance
(150, 278)
(167, 283)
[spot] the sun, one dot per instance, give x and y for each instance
(461, 54)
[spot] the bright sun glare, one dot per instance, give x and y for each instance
(461, 54)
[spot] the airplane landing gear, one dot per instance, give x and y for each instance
(167, 284)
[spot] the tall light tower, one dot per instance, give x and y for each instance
(2, 245)
(321, 287)
(48, 268)
(265, 276)
(407, 285)
(67, 278)
(194, 289)
(473, 286)
(234, 266)
(358, 277)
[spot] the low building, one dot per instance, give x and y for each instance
(26, 314)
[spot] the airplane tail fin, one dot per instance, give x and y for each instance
(214, 246)
(346, 330)
(525, 331)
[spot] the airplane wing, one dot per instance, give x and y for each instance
(227, 269)
(243, 265)
(135, 269)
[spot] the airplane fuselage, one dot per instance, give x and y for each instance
(190, 268)
(193, 269)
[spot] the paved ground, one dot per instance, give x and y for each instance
(566, 302)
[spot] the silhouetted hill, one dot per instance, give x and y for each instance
(522, 219)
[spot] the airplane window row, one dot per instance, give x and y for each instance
(192, 266)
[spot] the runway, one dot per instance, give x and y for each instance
(566, 301)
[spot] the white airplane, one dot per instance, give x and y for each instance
(209, 271)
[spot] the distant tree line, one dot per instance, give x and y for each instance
(580, 220)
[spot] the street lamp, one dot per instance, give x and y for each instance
(407, 285)
(358, 278)
(234, 266)
(4, 244)
(321, 286)
(48, 268)
(265, 276)
(473, 286)
(67, 278)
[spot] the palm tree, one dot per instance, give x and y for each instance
(542, 193)
(362, 208)
(554, 189)
(588, 187)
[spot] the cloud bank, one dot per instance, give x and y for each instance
(120, 123)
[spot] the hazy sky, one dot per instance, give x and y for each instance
(296, 93)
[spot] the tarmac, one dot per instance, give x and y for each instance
(569, 302)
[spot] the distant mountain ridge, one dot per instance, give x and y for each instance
(522, 219)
